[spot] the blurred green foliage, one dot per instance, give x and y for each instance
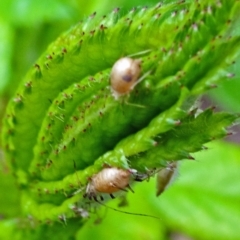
(202, 203)
(27, 27)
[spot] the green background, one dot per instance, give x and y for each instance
(203, 202)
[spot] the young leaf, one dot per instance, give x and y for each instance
(64, 125)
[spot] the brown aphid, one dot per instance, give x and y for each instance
(108, 180)
(124, 75)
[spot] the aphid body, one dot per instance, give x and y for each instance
(124, 75)
(108, 180)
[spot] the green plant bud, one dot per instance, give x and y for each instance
(64, 125)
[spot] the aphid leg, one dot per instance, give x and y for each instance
(90, 192)
(111, 195)
(141, 79)
(114, 185)
(124, 101)
(129, 187)
(133, 86)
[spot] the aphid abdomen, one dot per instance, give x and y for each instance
(124, 75)
(111, 180)
(108, 180)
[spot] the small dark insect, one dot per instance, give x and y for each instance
(164, 176)
(124, 76)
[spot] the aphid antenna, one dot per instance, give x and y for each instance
(75, 168)
(80, 189)
(137, 82)
(130, 213)
(141, 78)
(140, 53)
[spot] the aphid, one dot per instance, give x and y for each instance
(124, 76)
(108, 180)
(164, 177)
